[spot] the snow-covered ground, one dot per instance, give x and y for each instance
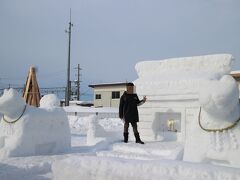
(112, 159)
(95, 150)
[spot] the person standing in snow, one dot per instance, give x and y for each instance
(129, 113)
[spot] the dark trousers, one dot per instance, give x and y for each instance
(134, 126)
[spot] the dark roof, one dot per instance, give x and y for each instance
(235, 75)
(107, 84)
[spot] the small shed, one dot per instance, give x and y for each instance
(108, 94)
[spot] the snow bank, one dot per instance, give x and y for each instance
(34, 168)
(37, 131)
(49, 100)
(96, 168)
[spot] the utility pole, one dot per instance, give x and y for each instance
(68, 88)
(78, 82)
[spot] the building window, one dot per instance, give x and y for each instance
(115, 94)
(98, 96)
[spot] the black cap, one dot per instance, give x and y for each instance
(130, 84)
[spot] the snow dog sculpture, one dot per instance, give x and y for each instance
(203, 98)
(214, 137)
(26, 130)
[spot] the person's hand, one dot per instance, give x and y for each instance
(144, 98)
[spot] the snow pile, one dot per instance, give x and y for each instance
(36, 131)
(26, 168)
(49, 100)
(97, 168)
(81, 162)
(180, 75)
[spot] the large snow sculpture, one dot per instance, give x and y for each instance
(193, 100)
(26, 130)
(214, 137)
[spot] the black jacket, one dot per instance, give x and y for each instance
(128, 107)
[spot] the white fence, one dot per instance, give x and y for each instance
(100, 115)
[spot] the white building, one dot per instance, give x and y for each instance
(236, 76)
(108, 94)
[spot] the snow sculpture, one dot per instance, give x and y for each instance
(214, 135)
(96, 132)
(176, 89)
(26, 130)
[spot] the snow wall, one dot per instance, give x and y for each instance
(92, 168)
(176, 89)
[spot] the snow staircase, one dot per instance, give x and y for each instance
(148, 151)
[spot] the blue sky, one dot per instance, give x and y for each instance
(110, 36)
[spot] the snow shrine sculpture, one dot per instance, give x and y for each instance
(192, 100)
(26, 130)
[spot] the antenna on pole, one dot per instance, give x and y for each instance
(68, 88)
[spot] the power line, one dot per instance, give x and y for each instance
(56, 73)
